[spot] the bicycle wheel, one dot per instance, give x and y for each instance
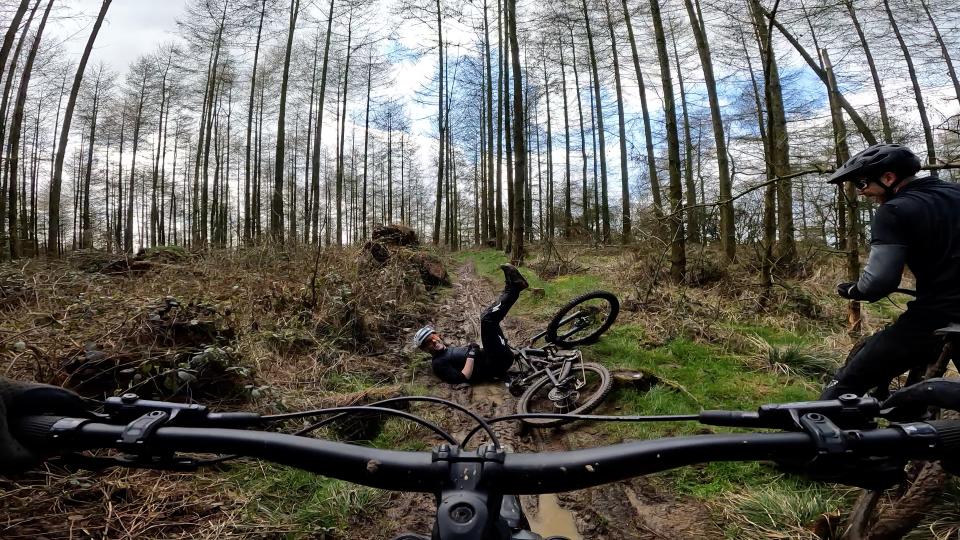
(583, 319)
(580, 393)
(890, 515)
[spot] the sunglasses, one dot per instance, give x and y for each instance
(861, 183)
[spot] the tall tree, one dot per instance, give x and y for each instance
(276, 204)
(779, 147)
(943, 49)
(440, 126)
(598, 103)
(917, 92)
(247, 202)
(874, 74)
(16, 125)
(53, 208)
(678, 254)
(647, 132)
(727, 233)
(624, 176)
(519, 118)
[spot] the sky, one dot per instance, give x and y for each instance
(132, 28)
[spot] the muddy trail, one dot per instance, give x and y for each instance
(640, 508)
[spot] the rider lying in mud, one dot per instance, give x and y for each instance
(472, 363)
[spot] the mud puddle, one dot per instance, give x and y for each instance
(551, 519)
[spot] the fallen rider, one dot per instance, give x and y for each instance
(473, 363)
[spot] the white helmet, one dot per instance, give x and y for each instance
(422, 335)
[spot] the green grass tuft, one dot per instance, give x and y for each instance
(780, 510)
(309, 502)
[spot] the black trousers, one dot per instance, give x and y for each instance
(907, 343)
(498, 354)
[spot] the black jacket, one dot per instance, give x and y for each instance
(448, 364)
(919, 227)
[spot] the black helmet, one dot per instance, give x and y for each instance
(876, 160)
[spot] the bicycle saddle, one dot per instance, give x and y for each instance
(952, 329)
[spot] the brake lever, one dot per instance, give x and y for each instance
(849, 411)
(130, 407)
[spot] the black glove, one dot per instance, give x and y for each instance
(939, 392)
(18, 399)
(472, 349)
(848, 290)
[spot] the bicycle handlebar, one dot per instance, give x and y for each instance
(507, 473)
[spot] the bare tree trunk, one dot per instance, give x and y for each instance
(318, 130)
(882, 102)
(693, 222)
(647, 132)
(366, 146)
(16, 126)
(678, 256)
(520, 161)
(86, 236)
(778, 136)
(138, 120)
(491, 229)
(247, 206)
(583, 137)
(854, 321)
(498, 188)
(53, 208)
(727, 229)
(567, 217)
(507, 134)
(624, 176)
(343, 128)
(276, 204)
(548, 221)
(440, 127)
(921, 108)
(605, 208)
(943, 49)
(5, 240)
(11, 33)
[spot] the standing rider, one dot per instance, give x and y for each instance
(918, 225)
(472, 363)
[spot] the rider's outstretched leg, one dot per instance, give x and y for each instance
(491, 335)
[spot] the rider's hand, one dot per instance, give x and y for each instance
(472, 349)
(19, 399)
(939, 392)
(848, 290)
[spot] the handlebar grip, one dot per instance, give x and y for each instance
(35, 433)
(948, 434)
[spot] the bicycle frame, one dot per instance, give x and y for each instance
(532, 367)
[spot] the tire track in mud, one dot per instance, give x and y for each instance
(633, 509)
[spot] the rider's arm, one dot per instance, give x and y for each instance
(19, 399)
(467, 370)
(888, 256)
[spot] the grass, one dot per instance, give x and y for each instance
(311, 504)
(783, 509)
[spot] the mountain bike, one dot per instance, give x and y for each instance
(553, 378)
(889, 514)
(476, 489)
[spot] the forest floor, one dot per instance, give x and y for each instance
(246, 331)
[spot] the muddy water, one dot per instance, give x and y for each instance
(553, 520)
